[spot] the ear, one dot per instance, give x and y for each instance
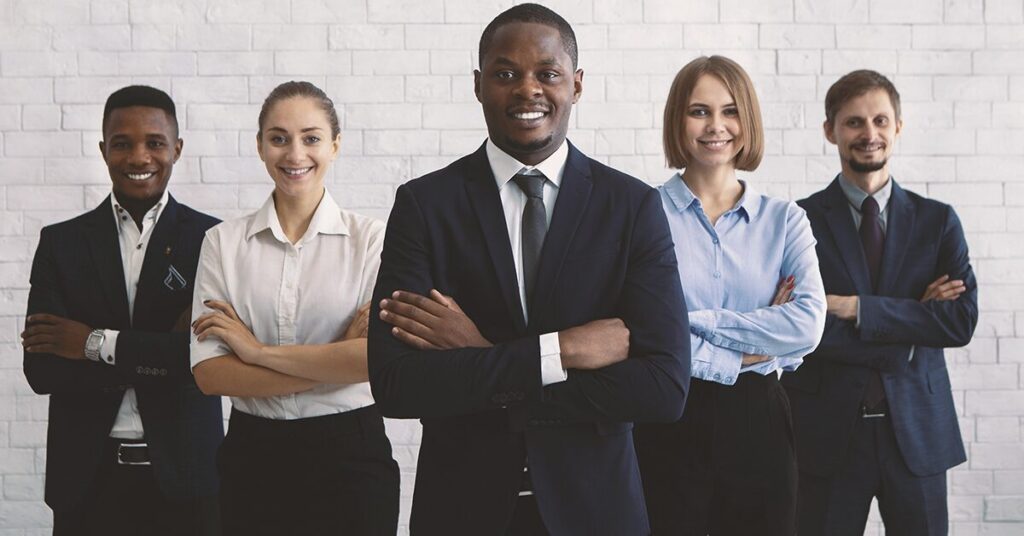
(577, 82)
(178, 145)
(899, 126)
(476, 84)
(259, 146)
(103, 150)
(829, 135)
(335, 146)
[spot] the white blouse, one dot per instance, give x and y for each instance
(304, 293)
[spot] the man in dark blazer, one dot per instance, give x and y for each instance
(491, 410)
(872, 407)
(131, 441)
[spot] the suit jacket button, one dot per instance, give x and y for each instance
(138, 370)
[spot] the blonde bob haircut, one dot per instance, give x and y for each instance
(740, 87)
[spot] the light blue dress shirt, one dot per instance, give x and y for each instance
(730, 271)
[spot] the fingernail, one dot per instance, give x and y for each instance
(383, 303)
(394, 294)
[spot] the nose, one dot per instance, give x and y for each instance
(528, 87)
(140, 155)
(294, 151)
(716, 122)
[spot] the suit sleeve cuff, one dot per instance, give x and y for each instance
(857, 324)
(109, 347)
(551, 370)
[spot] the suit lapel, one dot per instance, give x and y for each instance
(486, 201)
(898, 229)
(105, 248)
(837, 215)
(159, 253)
(570, 206)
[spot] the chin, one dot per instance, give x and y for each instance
(867, 167)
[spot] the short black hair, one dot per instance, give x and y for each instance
(534, 13)
(150, 97)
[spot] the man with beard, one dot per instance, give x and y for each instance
(872, 406)
(551, 256)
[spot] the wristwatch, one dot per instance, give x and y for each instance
(93, 344)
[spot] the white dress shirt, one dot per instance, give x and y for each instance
(134, 243)
(513, 200)
(290, 294)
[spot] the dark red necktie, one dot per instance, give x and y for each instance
(873, 240)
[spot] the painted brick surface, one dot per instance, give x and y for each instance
(400, 72)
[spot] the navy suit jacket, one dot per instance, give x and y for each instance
(77, 273)
(924, 240)
(608, 253)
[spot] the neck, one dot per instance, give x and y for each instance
(870, 182)
(296, 212)
(137, 209)
(714, 185)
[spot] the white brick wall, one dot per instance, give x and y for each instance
(400, 73)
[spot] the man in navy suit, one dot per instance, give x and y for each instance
(872, 406)
(544, 258)
(131, 441)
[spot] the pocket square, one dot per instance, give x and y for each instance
(174, 280)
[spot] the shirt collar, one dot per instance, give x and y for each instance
(856, 196)
(326, 220)
(504, 166)
(152, 214)
(749, 204)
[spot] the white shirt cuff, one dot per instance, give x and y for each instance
(857, 324)
(109, 346)
(551, 370)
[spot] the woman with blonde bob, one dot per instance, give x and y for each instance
(756, 306)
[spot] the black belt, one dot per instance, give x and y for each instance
(130, 451)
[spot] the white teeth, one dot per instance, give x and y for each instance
(716, 144)
(140, 176)
(529, 115)
(300, 171)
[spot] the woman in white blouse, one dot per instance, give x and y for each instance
(279, 328)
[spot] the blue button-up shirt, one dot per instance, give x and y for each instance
(730, 271)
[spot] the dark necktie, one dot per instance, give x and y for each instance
(873, 240)
(535, 226)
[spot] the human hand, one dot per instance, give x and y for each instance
(182, 323)
(594, 345)
(359, 324)
(434, 323)
(784, 290)
(844, 307)
(224, 324)
(52, 334)
(944, 289)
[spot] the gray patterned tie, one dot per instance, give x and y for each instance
(535, 226)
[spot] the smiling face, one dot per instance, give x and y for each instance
(140, 146)
(527, 86)
(712, 131)
(296, 145)
(864, 131)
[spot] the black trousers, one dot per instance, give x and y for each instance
(873, 467)
(728, 467)
(125, 500)
(317, 476)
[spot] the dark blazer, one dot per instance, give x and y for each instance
(924, 240)
(608, 253)
(77, 273)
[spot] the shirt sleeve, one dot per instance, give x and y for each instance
(209, 285)
(551, 370)
(790, 330)
(713, 363)
(109, 348)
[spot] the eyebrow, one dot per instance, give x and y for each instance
(160, 135)
(307, 129)
(702, 105)
(501, 60)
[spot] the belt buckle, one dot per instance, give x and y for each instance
(122, 448)
(865, 415)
